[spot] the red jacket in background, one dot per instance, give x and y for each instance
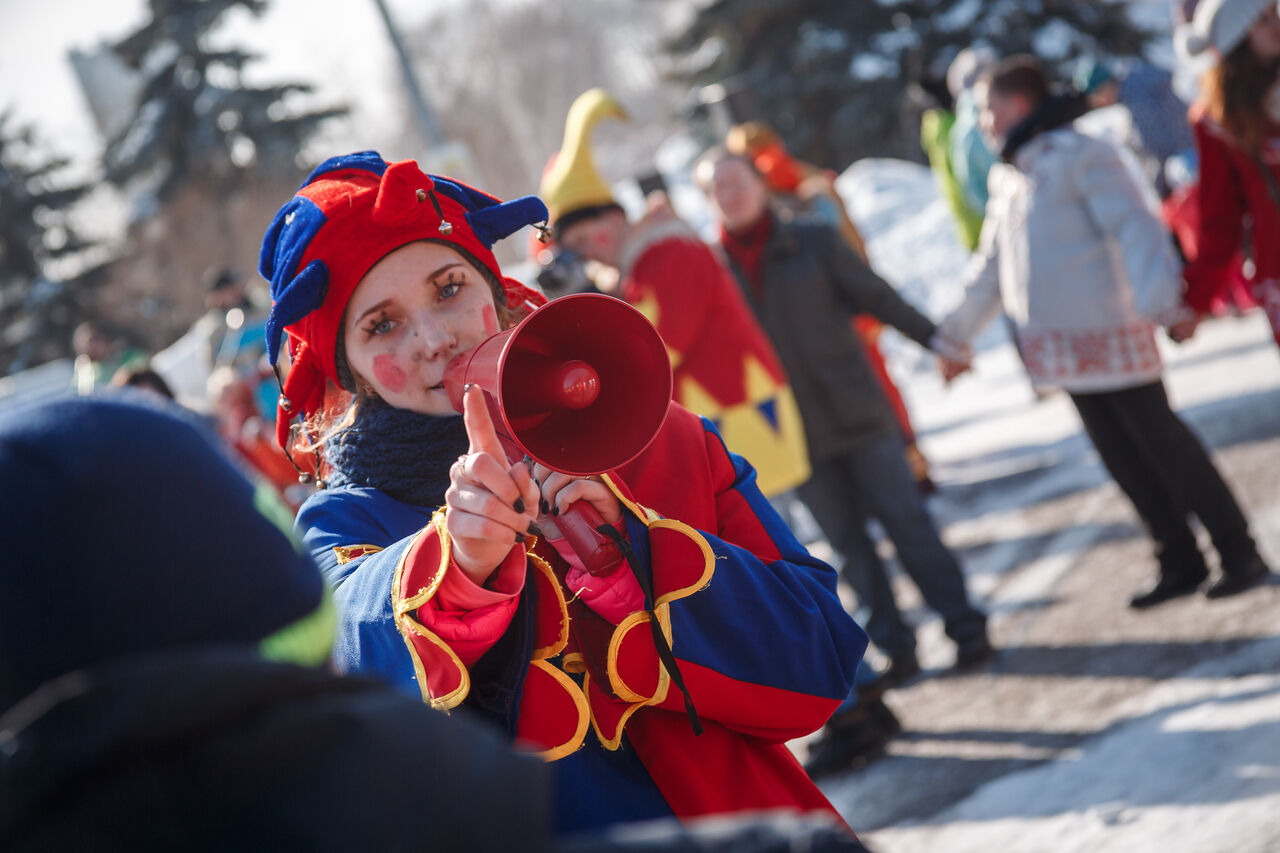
(1231, 186)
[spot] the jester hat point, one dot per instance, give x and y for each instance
(572, 186)
(350, 213)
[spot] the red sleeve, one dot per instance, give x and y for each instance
(1221, 212)
(761, 638)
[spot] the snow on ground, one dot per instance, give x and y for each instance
(1187, 758)
(1195, 768)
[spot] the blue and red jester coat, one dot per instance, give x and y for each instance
(765, 648)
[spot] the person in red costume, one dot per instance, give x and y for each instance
(668, 686)
(724, 366)
(1237, 130)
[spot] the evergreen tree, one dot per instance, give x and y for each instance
(204, 161)
(46, 267)
(196, 119)
(837, 77)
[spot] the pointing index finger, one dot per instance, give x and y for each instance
(480, 431)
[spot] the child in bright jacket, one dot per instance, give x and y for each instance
(433, 542)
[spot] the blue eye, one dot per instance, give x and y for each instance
(450, 286)
(381, 327)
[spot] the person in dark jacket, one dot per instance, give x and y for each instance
(161, 666)
(804, 283)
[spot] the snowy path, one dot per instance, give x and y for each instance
(1097, 728)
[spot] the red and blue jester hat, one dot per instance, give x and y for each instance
(350, 213)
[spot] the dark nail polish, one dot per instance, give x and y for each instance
(519, 504)
(534, 529)
(555, 510)
(543, 506)
(519, 537)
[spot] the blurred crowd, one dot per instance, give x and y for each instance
(219, 369)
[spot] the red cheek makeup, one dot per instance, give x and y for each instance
(389, 373)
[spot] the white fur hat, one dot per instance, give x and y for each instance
(1219, 25)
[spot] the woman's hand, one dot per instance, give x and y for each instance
(490, 503)
(560, 491)
(1183, 328)
(951, 369)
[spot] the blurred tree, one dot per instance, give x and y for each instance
(204, 161)
(196, 118)
(503, 94)
(47, 269)
(842, 80)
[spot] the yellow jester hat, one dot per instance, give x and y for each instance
(571, 186)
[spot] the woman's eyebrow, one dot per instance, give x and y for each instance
(373, 308)
(448, 266)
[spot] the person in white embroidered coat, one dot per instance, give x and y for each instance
(1072, 248)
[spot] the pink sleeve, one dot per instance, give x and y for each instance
(459, 592)
(470, 618)
(614, 596)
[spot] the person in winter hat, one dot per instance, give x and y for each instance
(723, 365)
(162, 663)
(1159, 129)
(1236, 122)
(1086, 271)
(433, 541)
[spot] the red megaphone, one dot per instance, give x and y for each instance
(581, 385)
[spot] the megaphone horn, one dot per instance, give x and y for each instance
(581, 385)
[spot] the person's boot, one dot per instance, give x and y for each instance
(902, 668)
(880, 715)
(1239, 577)
(853, 739)
(1168, 588)
(974, 651)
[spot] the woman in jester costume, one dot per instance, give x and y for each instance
(433, 542)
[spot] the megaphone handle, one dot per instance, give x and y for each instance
(578, 525)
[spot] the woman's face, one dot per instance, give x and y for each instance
(1264, 35)
(412, 312)
(738, 194)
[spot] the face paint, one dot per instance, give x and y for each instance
(412, 312)
(490, 317)
(389, 373)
